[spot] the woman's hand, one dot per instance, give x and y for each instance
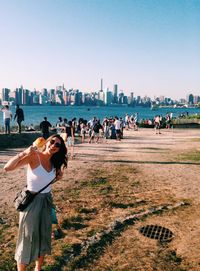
(30, 150)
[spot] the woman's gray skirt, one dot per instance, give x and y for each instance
(35, 226)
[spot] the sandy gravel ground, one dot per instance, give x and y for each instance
(166, 178)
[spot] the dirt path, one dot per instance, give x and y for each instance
(156, 155)
(166, 178)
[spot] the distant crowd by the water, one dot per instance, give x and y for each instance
(34, 114)
(97, 131)
(90, 130)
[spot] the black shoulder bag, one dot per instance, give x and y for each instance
(25, 197)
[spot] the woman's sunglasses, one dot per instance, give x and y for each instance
(56, 144)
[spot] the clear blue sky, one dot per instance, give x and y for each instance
(150, 47)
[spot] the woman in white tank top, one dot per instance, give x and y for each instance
(42, 167)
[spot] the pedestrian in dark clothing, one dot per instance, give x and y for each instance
(19, 116)
(44, 127)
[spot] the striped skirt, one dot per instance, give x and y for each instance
(35, 226)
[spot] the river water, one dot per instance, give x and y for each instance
(35, 114)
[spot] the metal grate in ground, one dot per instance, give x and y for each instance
(157, 232)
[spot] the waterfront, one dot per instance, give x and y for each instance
(34, 114)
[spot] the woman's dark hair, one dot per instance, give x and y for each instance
(59, 159)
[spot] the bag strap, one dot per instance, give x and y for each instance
(45, 187)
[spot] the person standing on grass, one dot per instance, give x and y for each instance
(7, 117)
(19, 115)
(44, 127)
(35, 222)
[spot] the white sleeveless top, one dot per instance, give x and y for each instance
(38, 177)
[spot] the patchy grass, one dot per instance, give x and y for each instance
(169, 260)
(195, 139)
(86, 207)
(83, 210)
(15, 140)
(191, 156)
(106, 190)
(172, 257)
(7, 246)
(75, 223)
(87, 210)
(125, 206)
(98, 182)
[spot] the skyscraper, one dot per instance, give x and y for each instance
(25, 96)
(101, 96)
(5, 95)
(190, 99)
(108, 97)
(115, 96)
(101, 85)
(18, 95)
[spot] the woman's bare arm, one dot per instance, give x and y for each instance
(19, 160)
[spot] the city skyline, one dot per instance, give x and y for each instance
(62, 96)
(101, 87)
(146, 47)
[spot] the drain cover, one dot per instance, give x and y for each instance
(157, 232)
